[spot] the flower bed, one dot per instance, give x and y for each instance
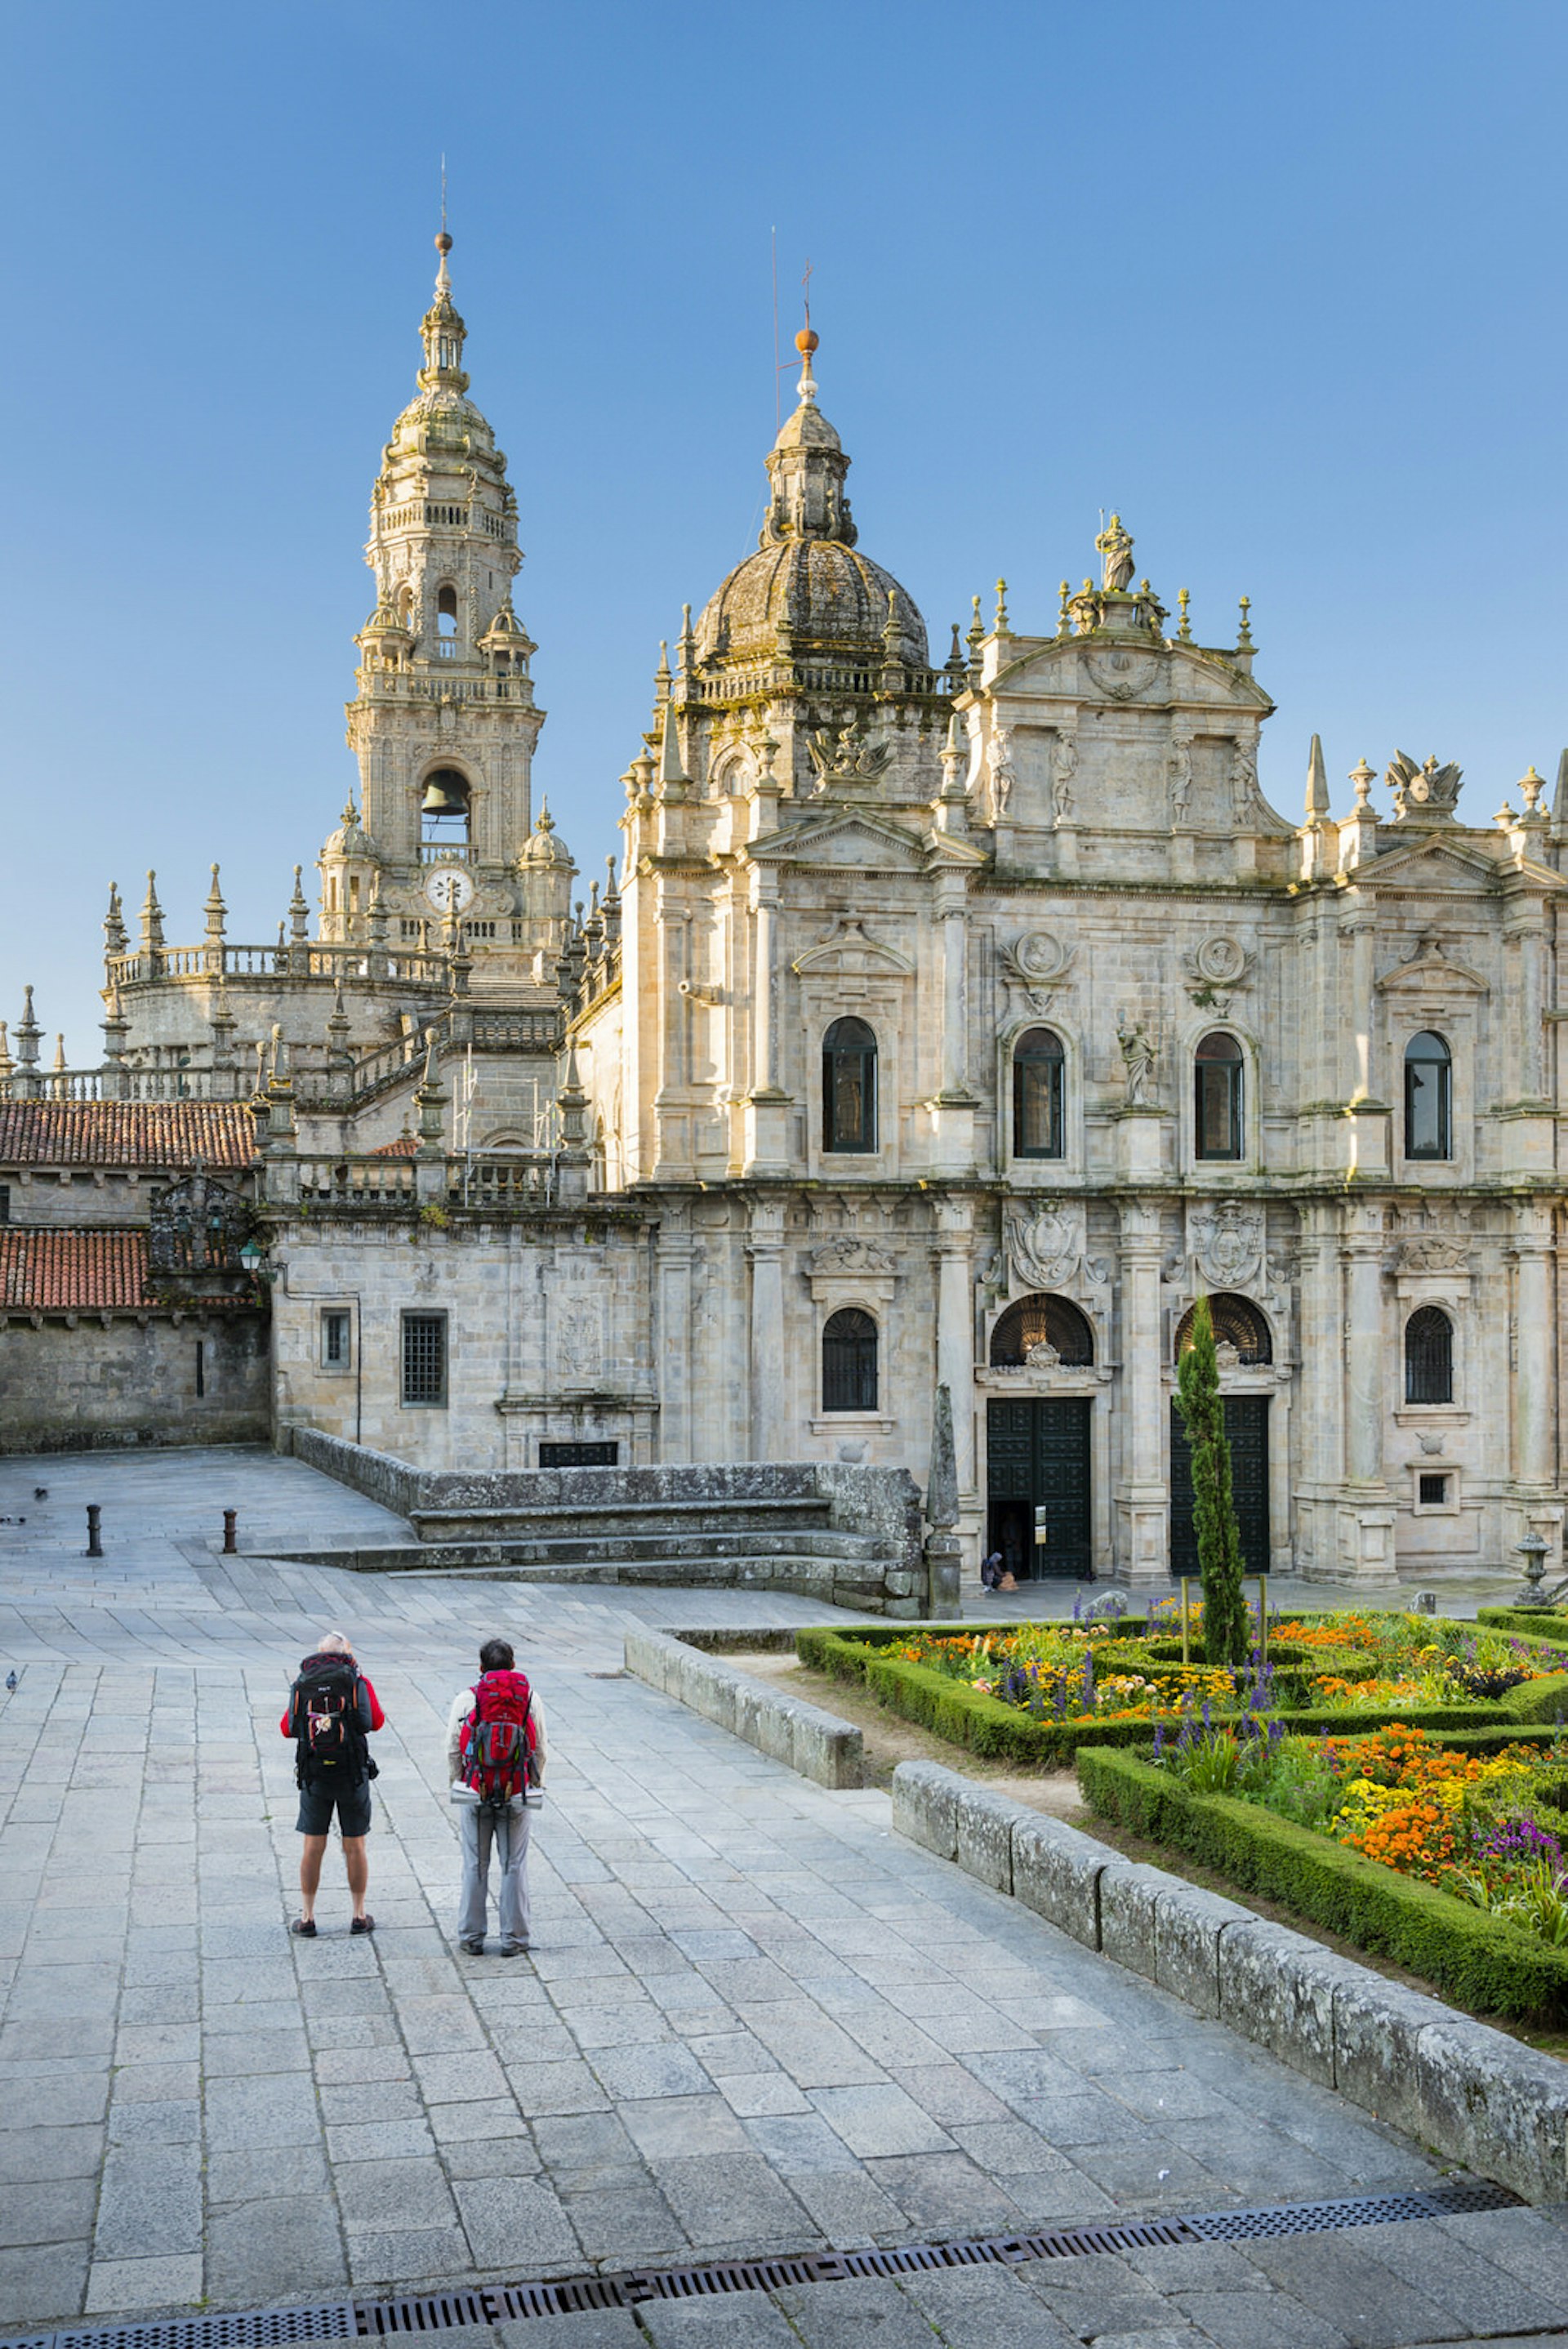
(1036, 1692)
(1445, 1854)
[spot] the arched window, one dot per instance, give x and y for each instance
(1429, 1355)
(1217, 1071)
(1429, 1078)
(1238, 1323)
(850, 1361)
(1038, 1062)
(848, 1086)
(444, 810)
(446, 614)
(1051, 1323)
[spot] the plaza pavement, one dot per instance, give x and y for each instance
(754, 2021)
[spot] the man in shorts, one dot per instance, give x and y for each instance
(330, 1712)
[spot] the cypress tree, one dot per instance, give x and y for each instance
(1219, 1537)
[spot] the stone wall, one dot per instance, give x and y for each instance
(72, 1383)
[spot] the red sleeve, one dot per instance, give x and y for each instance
(378, 1718)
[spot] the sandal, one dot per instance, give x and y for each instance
(304, 1926)
(362, 1925)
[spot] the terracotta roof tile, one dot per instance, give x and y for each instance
(406, 1146)
(166, 1135)
(51, 1270)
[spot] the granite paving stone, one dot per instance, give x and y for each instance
(752, 2018)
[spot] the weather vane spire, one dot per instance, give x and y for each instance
(806, 342)
(443, 241)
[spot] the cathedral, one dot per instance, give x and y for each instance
(943, 1022)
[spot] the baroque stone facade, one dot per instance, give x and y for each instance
(945, 1024)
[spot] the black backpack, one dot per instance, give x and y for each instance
(324, 1706)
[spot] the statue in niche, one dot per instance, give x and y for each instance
(1138, 1060)
(1114, 546)
(1178, 768)
(1244, 781)
(1002, 776)
(1064, 766)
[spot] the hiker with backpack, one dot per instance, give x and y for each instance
(495, 1755)
(331, 1712)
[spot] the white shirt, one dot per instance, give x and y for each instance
(463, 1705)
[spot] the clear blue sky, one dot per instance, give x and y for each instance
(1283, 285)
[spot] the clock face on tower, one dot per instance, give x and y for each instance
(450, 888)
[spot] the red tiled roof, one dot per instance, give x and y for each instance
(45, 1270)
(406, 1146)
(168, 1136)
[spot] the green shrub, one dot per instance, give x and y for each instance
(1482, 1961)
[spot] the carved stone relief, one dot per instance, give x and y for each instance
(1045, 1243)
(1226, 1243)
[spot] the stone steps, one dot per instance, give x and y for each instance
(830, 1576)
(714, 1518)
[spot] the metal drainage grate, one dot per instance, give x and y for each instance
(443, 2312)
(1354, 2211)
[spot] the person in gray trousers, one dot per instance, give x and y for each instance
(480, 1830)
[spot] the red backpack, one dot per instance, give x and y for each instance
(495, 1747)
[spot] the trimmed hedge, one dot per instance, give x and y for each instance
(1476, 1959)
(985, 1726)
(1537, 1623)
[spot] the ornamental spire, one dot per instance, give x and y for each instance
(442, 330)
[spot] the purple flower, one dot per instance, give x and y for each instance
(1159, 1741)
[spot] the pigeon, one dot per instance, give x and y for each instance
(10, 1683)
(40, 1491)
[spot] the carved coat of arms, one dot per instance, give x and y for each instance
(1045, 1243)
(1227, 1243)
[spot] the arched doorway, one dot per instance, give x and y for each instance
(1242, 1342)
(1037, 1448)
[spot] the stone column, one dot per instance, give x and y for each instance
(1534, 1380)
(954, 1015)
(1364, 1397)
(764, 1078)
(676, 1354)
(766, 1106)
(766, 1250)
(955, 1331)
(1143, 1508)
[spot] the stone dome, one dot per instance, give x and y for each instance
(350, 839)
(833, 598)
(544, 844)
(807, 574)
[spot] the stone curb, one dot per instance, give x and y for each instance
(816, 1744)
(1468, 2091)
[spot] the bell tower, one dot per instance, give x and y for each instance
(444, 720)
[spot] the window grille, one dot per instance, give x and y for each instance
(1038, 1062)
(1429, 1355)
(336, 1339)
(425, 1357)
(850, 1361)
(579, 1455)
(1428, 1084)
(1042, 1322)
(1434, 1492)
(1217, 1073)
(850, 1087)
(5, 1202)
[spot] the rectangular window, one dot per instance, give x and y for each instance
(1219, 1109)
(201, 1367)
(1432, 1492)
(5, 1202)
(337, 1338)
(579, 1455)
(425, 1361)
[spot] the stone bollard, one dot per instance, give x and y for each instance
(230, 1544)
(95, 1546)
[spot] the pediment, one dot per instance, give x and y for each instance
(1430, 970)
(846, 950)
(845, 844)
(1135, 673)
(1451, 866)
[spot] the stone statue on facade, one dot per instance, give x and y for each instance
(1002, 776)
(1138, 1060)
(1064, 766)
(1178, 768)
(1244, 781)
(1114, 546)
